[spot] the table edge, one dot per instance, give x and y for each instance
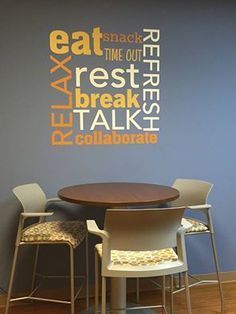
(102, 204)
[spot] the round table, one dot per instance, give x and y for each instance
(118, 194)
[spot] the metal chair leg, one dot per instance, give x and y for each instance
(180, 280)
(103, 311)
(171, 294)
(96, 282)
(187, 293)
(163, 292)
(137, 290)
(35, 268)
(72, 281)
(11, 279)
(87, 272)
(217, 271)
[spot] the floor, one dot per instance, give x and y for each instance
(205, 300)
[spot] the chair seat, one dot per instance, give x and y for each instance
(72, 232)
(140, 258)
(197, 225)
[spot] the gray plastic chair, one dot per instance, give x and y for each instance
(194, 195)
(138, 243)
(69, 233)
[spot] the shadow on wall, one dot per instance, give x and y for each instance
(52, 259)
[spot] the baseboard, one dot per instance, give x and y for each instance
(146, 285)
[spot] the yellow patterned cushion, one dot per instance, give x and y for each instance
(56, 231)
(197, 225)
(140, 258)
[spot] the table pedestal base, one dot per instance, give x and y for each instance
(118, 294)
(118, 298)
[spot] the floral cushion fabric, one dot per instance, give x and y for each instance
(140, 258)
(72, 232)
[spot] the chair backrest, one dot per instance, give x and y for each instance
(143, 229)
(31, 197)
(192, 192)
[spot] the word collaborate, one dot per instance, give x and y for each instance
(112, 105)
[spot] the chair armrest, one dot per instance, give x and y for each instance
(181, 231)
(93, 228)
(54, 199)
(43, 214)
(106, 252)
(200, 207)
(181, 249)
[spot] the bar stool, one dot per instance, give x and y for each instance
(194, 195)
(69, 233)
(138, 243)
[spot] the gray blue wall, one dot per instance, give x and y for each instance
(197, 137)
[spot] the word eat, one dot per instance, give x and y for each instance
(60, 42)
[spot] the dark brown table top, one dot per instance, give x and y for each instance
(118, 194)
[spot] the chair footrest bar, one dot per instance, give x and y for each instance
(50, 300)
(155, 283)
(78, 291)
(201, 282)
(31, 297)
(132, 308)
(19, 299)
(40, 299)
(207, 281)
(57, 276)
(33, 291)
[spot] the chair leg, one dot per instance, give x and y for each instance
(180, 280)
(103, 311)
(187, 293)
(137, 290)
(171, 294)
(35, 268)
(217, 271)
(163, 293)
(87, 272)
(96, 282)
(11, 279)
(72, 281)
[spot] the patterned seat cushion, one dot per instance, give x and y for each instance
(197, 225)
(72, 232)
(140, 258)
